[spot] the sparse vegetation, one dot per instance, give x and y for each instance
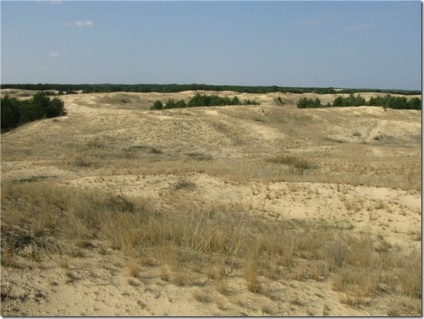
(240, 207)
(393, 102)
(299, 165)
(202, 100)
(354, 261)
(351, 100)
(251, 276)
(183, 183)
(307, 103)
(202, 296)
(387, 101)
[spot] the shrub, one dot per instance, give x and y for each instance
(307, 103)
(203, 100)
(10, 113)
(55, 108)
(157, 105)
(387, 101)
(250, 102)
(395, 102)
(172, 104)
(15, 112)
(414, 103)
(351, 100)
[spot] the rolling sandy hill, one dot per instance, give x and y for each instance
(345, 173)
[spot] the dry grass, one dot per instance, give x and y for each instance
(251, 276)
(298, 165)
(334, 254)
(216, 271)
(77, 199)
(182, 278)
(134, 282)
(409, 275)
(134, 268)
(183, 183)
(7, 257)
(165, 274)
(353, 301)
(202, 296)
(71, 276)
(190, 237)
(64, 262)
(222, 287)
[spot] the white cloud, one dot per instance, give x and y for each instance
(86, 23)
(53, 54)
(79, 23)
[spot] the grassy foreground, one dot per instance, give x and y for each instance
(216, 242)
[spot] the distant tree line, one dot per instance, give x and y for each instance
(202, 100)
(172, 88)
(16, 112)
(386, 101)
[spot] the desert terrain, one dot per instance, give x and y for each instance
(261, 210)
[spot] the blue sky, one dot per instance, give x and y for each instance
(363, 44)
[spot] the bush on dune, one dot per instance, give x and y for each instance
(202, 100)
(16, 112)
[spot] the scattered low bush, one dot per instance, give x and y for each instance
(351, 100)
(202, 100)
(396, 102)
(308, 103)
(387, 101)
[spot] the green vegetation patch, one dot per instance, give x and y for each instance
(387, 101)
(16, 112)
(202, 100)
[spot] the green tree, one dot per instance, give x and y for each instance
(414, 103)
(308, 103)
(180, 104)
(55, 108)
(157, 105)
(170, 104)
(9, 112)
(40, 103)
(338, 101)
(27, 112)
(235, 101)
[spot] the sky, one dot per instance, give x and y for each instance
(347, 44)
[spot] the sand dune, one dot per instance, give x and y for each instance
(340, 172)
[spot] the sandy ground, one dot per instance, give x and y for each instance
(367, 179)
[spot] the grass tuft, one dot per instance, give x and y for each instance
(251, 276)
(183, 183)
(299, 165)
